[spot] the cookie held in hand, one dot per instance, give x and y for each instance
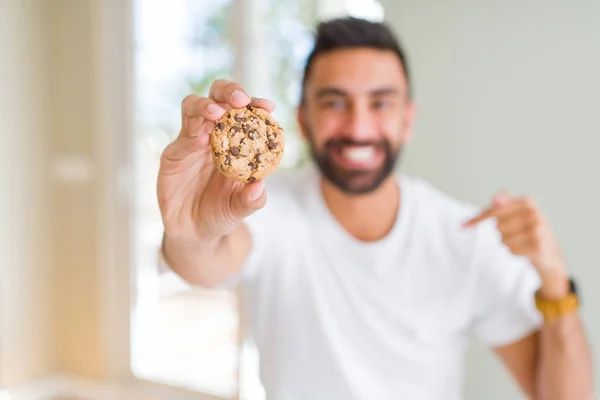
(247, 144)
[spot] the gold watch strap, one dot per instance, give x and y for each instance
(553, 309)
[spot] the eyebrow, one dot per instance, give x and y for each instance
(384, 92)
(333, 91)
(330, 91)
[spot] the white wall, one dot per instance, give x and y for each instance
(508, 94)
(25, 297)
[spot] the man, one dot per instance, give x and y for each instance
(360, 283)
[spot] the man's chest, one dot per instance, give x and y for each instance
(377, 300)
(331, 319)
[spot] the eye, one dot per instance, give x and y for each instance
(333, 104)
(381, 104)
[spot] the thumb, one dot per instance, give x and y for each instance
(250, 198)
(501, 199)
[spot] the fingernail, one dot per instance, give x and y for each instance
(257, 191)
(213, 109)
(238, 96)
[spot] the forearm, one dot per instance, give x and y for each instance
(207, 263)
(564, 361)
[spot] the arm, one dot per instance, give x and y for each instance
(564, 366)
(208, 263)
(203, 212)
(555, 362)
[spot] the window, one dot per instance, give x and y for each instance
(180, 335)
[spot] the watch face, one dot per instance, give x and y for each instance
(573, 288)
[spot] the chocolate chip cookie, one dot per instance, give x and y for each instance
(247, 144)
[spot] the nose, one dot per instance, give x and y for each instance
(361, 123)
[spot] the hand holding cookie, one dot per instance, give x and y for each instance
(198, 202)
(247, 144)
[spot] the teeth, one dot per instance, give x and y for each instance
(359, 153)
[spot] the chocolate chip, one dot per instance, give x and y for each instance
(220, 126)
(252, 179)
(235, 151)
(258, 158)
(227, 160)
(253, 135)
(272, 145)
(249, 107)
(217, 154)
(236, 129)
(247, 128)
(252, 165)
(239, 118)
(270, 136)
(268, 122)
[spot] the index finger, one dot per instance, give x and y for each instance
(228, 92)
(498, 210)
(484, 215)
(194, 106)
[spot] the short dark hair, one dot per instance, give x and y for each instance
(352, 32)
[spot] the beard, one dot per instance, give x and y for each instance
(353, 181)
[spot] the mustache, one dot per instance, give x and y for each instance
(339, 142)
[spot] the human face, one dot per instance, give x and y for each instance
(356, 116)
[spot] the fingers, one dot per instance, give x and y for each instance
(249, 199)
(197, 119)
(486, 214)
(501, 208)
(189, 142)
(198, 115)
(524, 230)
(194, 106)
(519, 244)
(230, 93)
(181, 148)
(518, 222)
(201, 107)
(263, 103)
(501, 199)
(233, 94)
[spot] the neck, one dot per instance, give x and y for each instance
(368, 217)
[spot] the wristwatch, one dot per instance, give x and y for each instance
(555, 308)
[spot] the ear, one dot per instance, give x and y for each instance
(301, 120)
(409, 119)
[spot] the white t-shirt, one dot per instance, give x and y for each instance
(336, 318)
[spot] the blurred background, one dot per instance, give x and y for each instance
(507, 94)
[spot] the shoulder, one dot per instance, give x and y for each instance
(481, 245)
(436, 200)
(478, 252)
(437, 209)
(441, 216)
